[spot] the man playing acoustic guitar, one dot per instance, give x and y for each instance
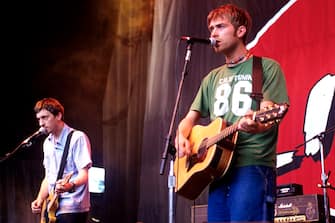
(65, 199)
(247, 192)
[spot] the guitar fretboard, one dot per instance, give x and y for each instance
(223, 134)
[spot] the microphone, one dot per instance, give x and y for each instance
(209, 41)
(28, 141)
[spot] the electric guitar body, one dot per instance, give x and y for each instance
(51, 204)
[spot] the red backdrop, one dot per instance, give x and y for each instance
(301, 38)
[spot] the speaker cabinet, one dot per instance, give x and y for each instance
(299, 208)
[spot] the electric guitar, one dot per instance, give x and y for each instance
(50, 205)
(212, 151)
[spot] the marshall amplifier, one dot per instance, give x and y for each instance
(300, 208)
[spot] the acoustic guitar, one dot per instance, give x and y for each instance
(50, 205)
(212, 152)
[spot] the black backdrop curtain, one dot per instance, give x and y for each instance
(116, 66)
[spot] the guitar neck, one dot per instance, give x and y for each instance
(53, 199)
(223, 134)
(273, 113)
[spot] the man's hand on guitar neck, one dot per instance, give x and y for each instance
(63, 185)
(248, 124)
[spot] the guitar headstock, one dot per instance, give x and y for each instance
(274, 113)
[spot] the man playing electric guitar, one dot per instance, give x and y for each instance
(51, 204)
(73, 204)
(246, 193)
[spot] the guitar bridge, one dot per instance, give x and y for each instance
(199, 156)
(191, 161)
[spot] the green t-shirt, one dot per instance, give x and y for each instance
(225, 92)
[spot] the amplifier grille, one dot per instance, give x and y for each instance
(299, 208)
(309, 206)
(296, 218)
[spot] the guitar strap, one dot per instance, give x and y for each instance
(64, 156)
(257, 81)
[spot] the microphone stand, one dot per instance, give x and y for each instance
(324, 177)
(169, 148)
(11, 153)
(25, 143)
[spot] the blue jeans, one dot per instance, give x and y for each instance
(244, 194)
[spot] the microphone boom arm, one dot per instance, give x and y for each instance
(25, 143)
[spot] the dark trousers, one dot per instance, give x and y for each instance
(73, 218)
